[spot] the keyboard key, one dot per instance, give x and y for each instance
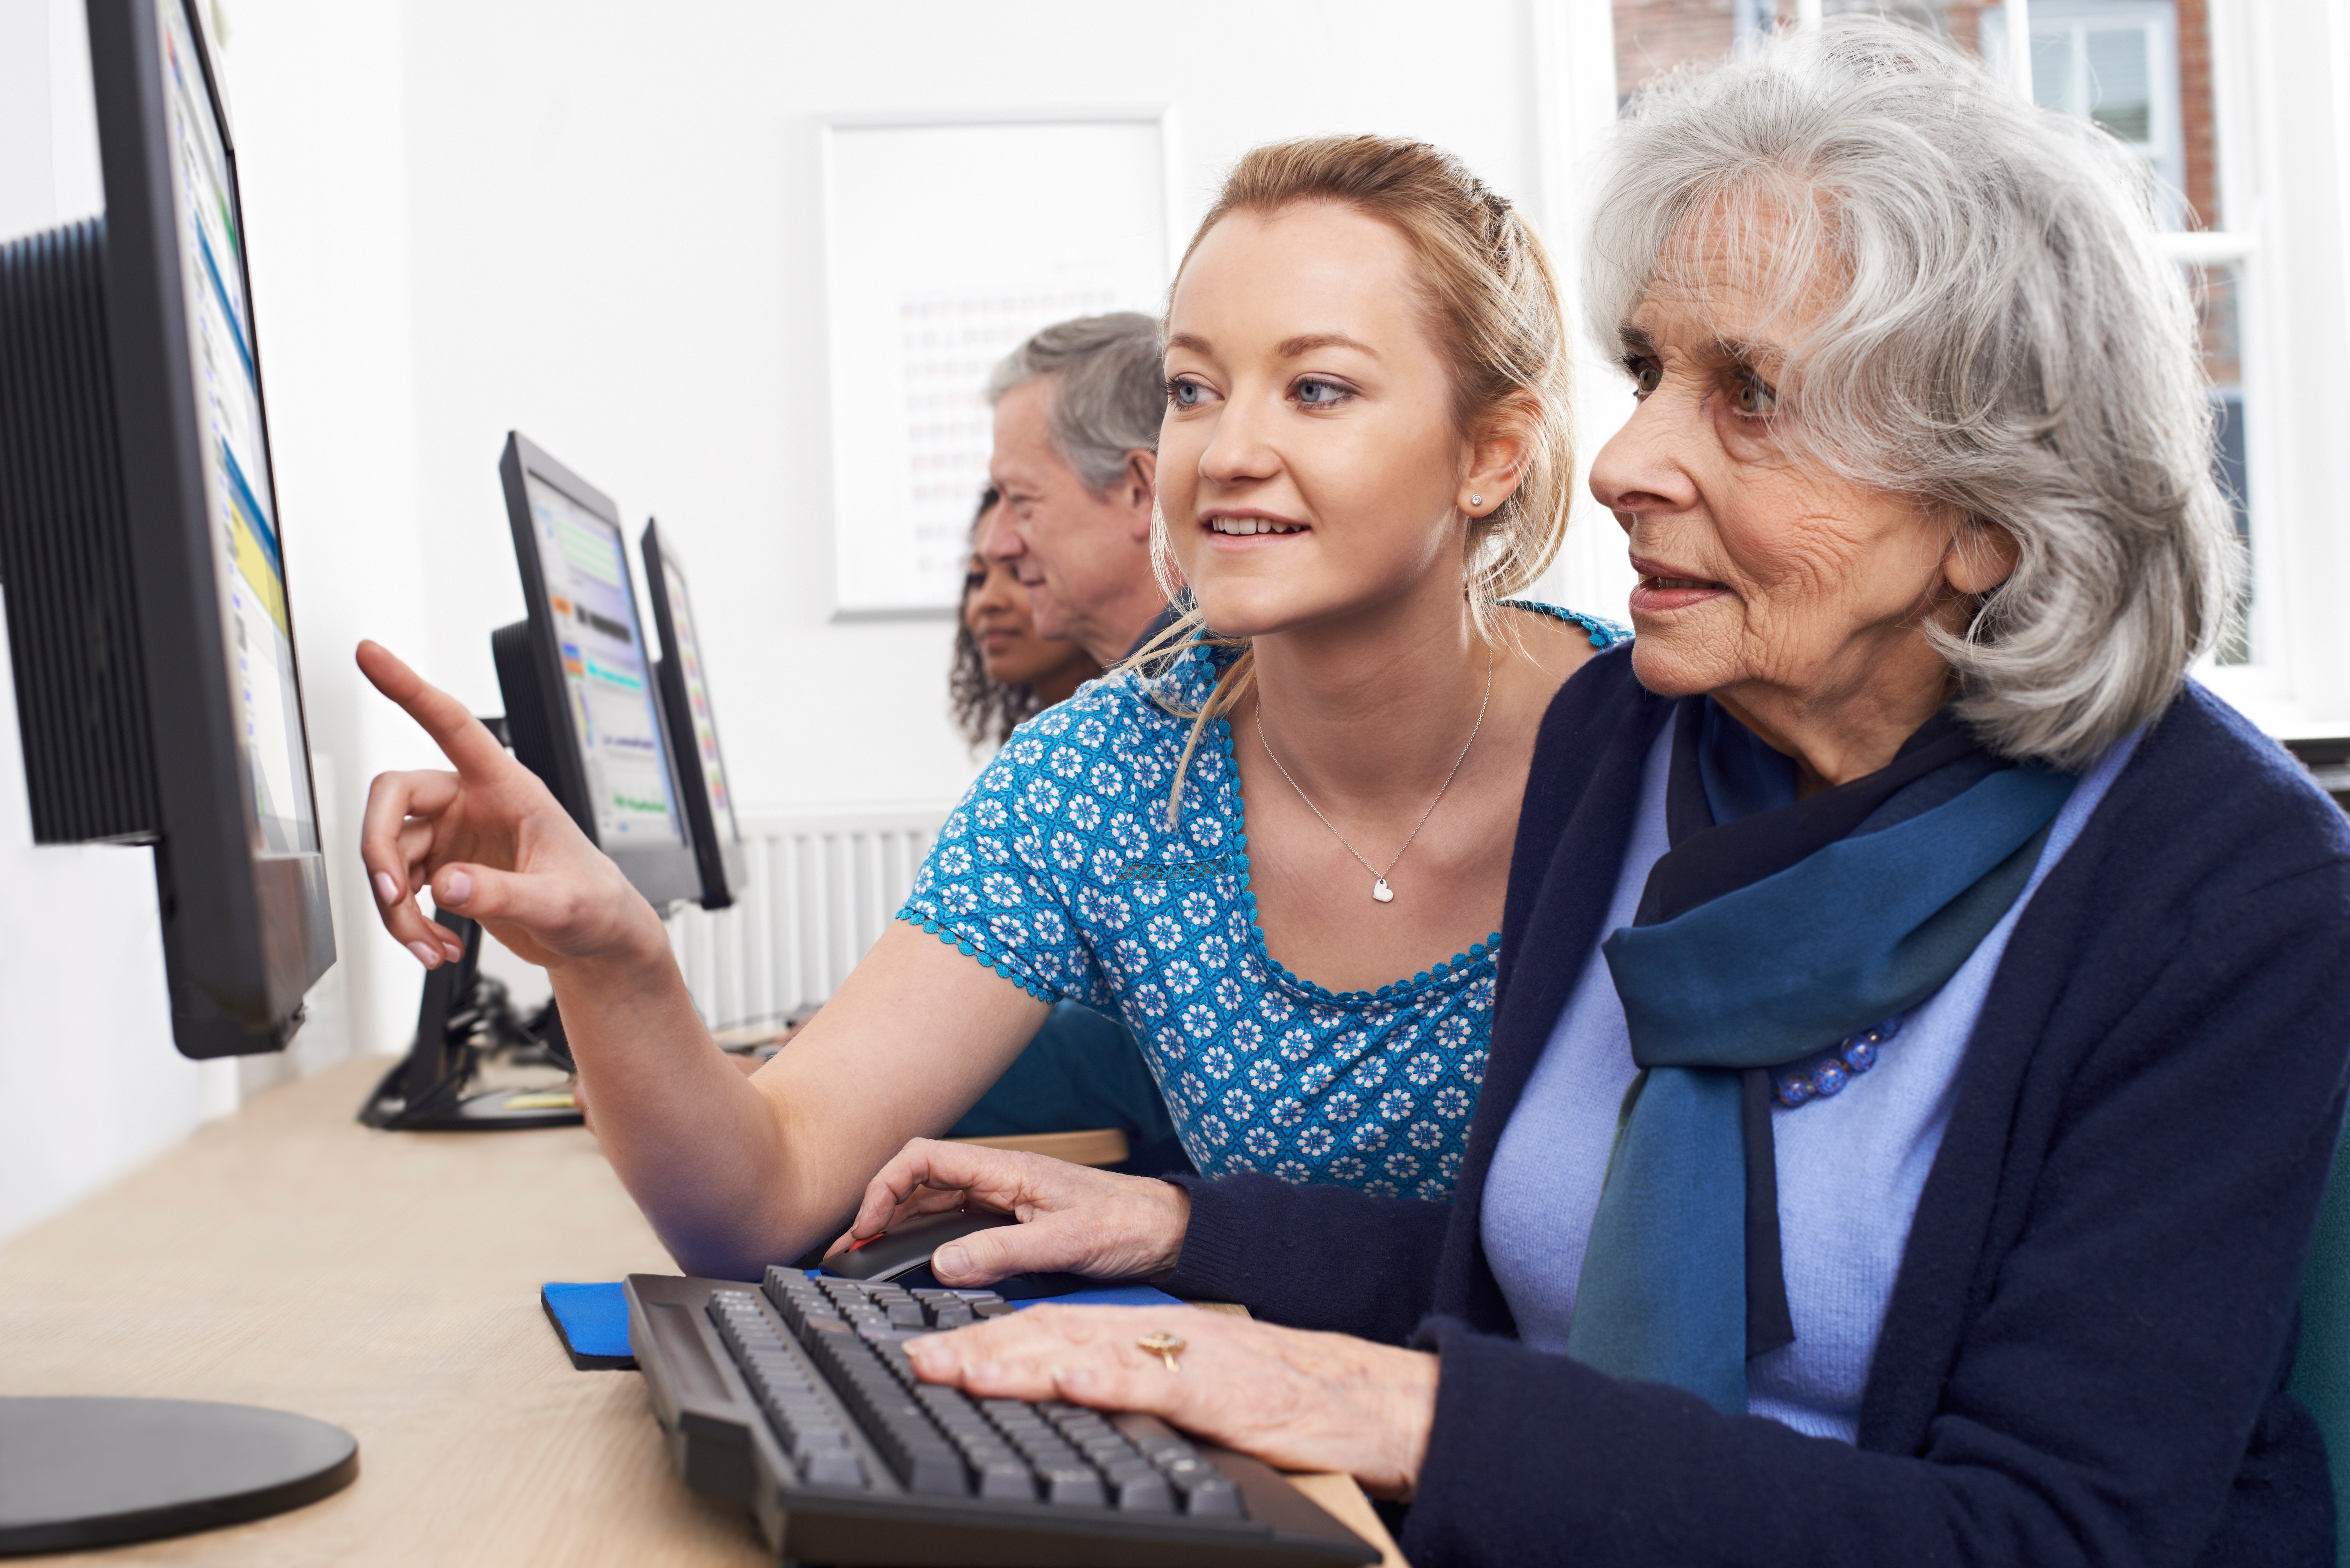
(1146, 1492)
(893, 1354)
(1216, 1498)
(1007, 1477)
(1170, 1446)
(1051, 1456)
(949, 1405)
(809, 1437)
(837, 1468)
(1071, 1486)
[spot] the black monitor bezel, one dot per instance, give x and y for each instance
(663, 875)
(246, 930)
(718, 855)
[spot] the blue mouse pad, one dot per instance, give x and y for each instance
(1107, 1296)
(1028, 1289)
(592, 1321)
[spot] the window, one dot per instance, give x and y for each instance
(2113, 62)
(2143, 72)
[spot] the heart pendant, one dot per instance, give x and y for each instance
(1381, 891)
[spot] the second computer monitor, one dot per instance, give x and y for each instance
(684, 680)
(580, 704)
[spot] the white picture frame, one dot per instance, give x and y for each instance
(950, 238)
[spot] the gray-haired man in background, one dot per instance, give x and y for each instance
(1076, 459)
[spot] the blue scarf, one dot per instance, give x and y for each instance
(1770, 931)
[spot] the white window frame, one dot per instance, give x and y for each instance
(2281, 113)
(2165, 144)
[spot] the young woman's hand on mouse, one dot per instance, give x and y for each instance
(1072, 1217)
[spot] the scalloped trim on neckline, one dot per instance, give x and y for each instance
(1451, 967)
(1436, 974)
(1593, 625)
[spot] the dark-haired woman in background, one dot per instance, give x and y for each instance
(1082, 1070)
(1004, 672)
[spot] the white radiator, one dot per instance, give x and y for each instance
(823, 887)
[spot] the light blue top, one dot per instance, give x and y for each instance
(1850, 1167)
(1059, 871)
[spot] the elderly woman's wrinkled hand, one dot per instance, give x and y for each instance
(1299, 1400)
(1071, 1217)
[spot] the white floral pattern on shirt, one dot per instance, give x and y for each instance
(1059, 871)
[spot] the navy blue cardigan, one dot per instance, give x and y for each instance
(2085, 1356)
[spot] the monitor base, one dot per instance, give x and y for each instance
(495, 1110)
(464, 1020)
(85, 1472)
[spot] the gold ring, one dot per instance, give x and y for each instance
(1162, 1344)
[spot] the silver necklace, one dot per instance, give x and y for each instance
(1379, 888)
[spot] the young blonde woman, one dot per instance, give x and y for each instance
(1279, 852)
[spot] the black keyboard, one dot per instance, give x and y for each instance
(796, 1401)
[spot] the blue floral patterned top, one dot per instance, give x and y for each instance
(1058, 870)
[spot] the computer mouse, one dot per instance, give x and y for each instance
(911, 1244)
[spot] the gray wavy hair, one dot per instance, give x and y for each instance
(1111, 394)
(2002, 337)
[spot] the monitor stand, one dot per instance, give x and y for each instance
(431, 1089)
(79, 1472)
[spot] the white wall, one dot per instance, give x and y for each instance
(318, 95)
(618, 250)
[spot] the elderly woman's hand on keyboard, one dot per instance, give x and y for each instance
(1072, 1217)
(1297, 1399)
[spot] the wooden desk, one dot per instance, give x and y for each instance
(388, 1283)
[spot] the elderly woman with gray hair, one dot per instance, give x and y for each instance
(1918, 1056)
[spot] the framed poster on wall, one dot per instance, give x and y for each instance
(948, 240)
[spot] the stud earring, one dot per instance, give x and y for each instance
(1476, 501)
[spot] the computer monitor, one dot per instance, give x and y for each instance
(581, 713)
(152, 638)
(150, 628)
(578, 676)
(683, 678)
